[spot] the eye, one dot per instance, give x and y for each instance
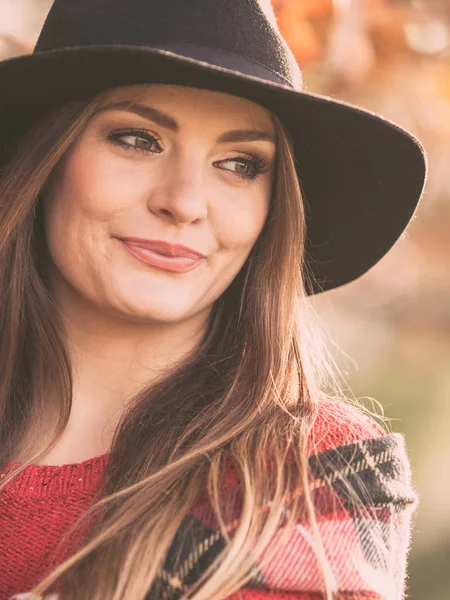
(249, 168)
(136, 140)
(143, 142)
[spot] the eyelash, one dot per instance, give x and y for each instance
(258, 163)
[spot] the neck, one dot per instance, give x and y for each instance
(112, 359)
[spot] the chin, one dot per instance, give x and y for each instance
(158, 312)
(144, 300)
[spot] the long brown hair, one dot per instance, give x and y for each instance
(249, 392)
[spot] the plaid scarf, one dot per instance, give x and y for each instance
(364, 501)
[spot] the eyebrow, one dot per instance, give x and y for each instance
(165, 120)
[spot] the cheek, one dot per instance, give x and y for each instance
(238, 222)
(90, 183)
(85, 199)
(89, 192)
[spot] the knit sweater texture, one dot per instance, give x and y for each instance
(366, 540)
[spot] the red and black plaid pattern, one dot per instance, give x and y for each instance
(364, 502)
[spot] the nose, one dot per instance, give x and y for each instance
(181, 195)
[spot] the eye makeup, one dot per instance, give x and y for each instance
(255, 164)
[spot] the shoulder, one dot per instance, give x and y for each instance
(337, 427)
(349, 450)
(363, 500)
(338, 423)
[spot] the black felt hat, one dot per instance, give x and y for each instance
(361, 176)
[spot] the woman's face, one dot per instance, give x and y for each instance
(160, 171)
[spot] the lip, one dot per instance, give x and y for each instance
(164, 248)
(174, 264)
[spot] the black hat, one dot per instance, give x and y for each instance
(361, 176)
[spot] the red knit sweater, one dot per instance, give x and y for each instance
(39, 506)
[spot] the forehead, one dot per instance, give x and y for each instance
(182, 100)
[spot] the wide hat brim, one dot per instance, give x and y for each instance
(361, 176)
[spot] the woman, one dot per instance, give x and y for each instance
(166, 428)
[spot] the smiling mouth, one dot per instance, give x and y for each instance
(163, 247)
(174, 264)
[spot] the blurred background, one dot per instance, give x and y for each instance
(392, 326)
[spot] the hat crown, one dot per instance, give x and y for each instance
(244, 28)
